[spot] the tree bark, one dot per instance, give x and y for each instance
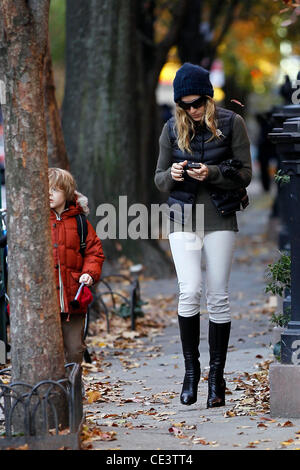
(37, 346)
(57, 154)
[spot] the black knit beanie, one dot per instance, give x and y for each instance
(192, 79)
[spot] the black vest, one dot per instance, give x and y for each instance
(211, 153)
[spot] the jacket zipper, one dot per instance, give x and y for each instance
(61, 286)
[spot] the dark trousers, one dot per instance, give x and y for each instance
(73, 331)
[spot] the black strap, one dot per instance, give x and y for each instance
(82, 229)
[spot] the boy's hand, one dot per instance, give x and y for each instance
(87, 279)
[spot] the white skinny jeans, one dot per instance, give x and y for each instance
(186, 248)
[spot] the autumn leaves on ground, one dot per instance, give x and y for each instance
(132, 386)
(124, 343)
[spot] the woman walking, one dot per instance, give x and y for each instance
(216, 138)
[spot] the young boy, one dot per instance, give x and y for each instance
(71, 268)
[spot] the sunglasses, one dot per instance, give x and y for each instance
(195, 104)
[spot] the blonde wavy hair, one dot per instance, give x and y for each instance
(184, 123)
(63, 180)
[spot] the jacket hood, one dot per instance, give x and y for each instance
(82, 202)
(79, 205)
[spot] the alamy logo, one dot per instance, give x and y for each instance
(296, 94)
(137, 221)
(296, 348)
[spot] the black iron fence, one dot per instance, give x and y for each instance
(38, 414)
(111, 300)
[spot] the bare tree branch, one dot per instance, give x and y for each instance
(57, 154)
(215, 12)
(170, 39)
(230, 16)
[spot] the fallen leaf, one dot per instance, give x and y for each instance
(287, 424)
(262, 425)
(130, 334)
(288, 442)
(93, 396)
(177, 432)
(95, 434)
(200, 440)
(229, 414)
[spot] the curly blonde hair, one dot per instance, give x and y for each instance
(184, 123)
(63, 180)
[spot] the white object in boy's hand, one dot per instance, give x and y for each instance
(87, 279)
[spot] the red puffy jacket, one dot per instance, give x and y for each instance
(69, 265)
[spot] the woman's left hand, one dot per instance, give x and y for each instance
(87, 279)
(199, 174)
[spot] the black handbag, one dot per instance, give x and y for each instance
(228, 201)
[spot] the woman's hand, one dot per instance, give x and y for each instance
(177, 170)
(199, 174)
(87, 279)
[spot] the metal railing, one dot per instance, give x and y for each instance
(119, 304)
(36, 409)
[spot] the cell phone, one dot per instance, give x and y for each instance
(190, 166)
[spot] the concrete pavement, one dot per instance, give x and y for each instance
(139, 403)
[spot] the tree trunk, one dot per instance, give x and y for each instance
(57, 154)
(37, 346)
(99, 112)
(102, 114)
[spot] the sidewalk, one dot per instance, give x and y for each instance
(132, 403)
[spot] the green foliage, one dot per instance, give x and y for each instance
(280, 319)
(57, 30)
(251, 51)
(277, 351)
(280, 274)
(281, 178)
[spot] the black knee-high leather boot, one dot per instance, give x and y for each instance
(190, 333)
(218, 337)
